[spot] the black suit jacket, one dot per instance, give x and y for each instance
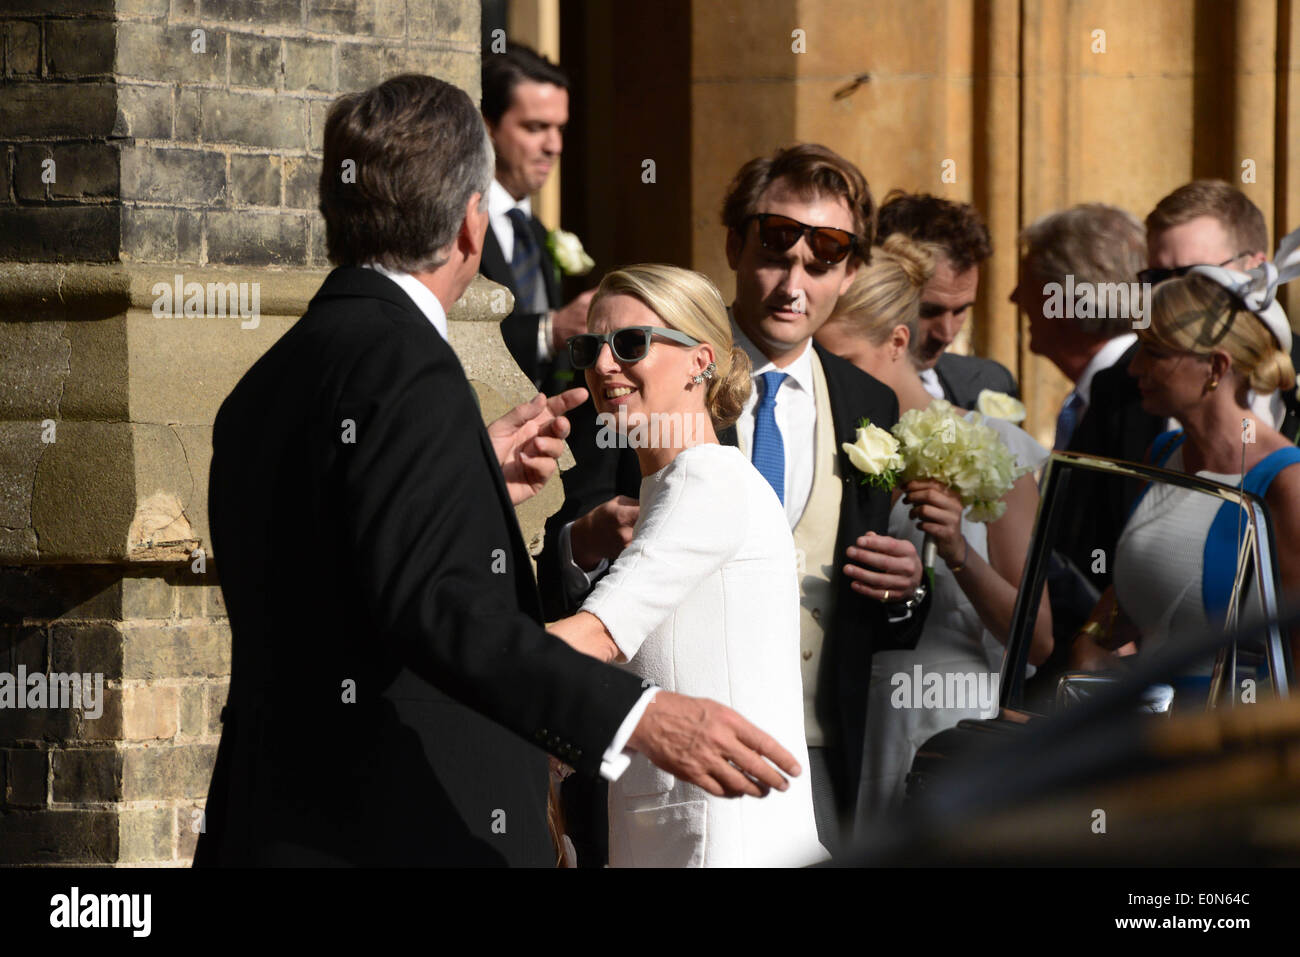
(390, 679)
(859, 625)
(519, 329)
(1291, 424)
(964, 377)
(1114, 425)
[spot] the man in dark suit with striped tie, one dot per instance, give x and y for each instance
(1096, 245)
(526, 107)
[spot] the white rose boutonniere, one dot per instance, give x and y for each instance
(567, 252)
(875, 454)
(999, 405)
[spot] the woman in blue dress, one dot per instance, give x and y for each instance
(1215, 335)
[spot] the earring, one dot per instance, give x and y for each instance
(706, 374)
(1212, 384)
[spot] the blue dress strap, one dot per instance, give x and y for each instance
(1164, 445)
(1222, 544)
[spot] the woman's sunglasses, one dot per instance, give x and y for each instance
(630, 344)
(778, 233)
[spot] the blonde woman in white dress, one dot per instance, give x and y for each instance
(704, 601)
(978, 572)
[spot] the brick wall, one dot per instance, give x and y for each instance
(189, 131)
(126, 787)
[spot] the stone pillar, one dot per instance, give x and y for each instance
(147, 140)
(1020, 106)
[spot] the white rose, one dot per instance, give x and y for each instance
(569, 255)
(875, 451)
(999, 405)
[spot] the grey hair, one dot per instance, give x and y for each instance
(1093, 242)
(418, 149)
(471, 174)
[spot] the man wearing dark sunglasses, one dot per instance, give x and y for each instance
(799, 223)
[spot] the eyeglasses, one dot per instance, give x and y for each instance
(778, 233)
(629, 344)
(1155, 276)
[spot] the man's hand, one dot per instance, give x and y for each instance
(892, 566)
(711, 746)
(604, 531)
(529, 438)
(570, 321)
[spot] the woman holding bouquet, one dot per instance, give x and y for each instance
(704, 600)
(976, 581)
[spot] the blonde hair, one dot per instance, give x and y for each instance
(886, 293)
(687, 301)
(1195, 314)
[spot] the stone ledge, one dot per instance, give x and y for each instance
(97, 291)
(125, 481)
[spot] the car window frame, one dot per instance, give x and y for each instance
(1052, 506)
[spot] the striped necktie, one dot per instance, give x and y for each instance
(526, 264)
(768, 454)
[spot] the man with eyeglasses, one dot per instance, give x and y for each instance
(1211, 222)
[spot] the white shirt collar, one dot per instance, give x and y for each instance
(800, 371)
(420, 294)
(501, 202)
(1105, 357)
(930, 379)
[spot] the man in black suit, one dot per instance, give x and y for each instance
(526, 107)
(1082, 252)
(1212, 222)
(963, 239)
(860, 588)
(392, 687)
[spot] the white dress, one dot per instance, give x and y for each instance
(704, 602)
(954, 642)
(1160, 561)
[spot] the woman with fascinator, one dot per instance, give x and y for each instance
(704, 600)
(1215, 334)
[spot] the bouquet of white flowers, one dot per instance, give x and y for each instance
(999, 405)
(936, 443)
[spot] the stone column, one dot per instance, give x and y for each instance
(152, 145)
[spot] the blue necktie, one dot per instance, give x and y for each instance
(526, 264)
(769, 449)
(1067, 421)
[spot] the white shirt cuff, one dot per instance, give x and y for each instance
(616, 758)
(544, 351)
(577, 581)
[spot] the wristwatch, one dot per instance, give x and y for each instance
(918, 596)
